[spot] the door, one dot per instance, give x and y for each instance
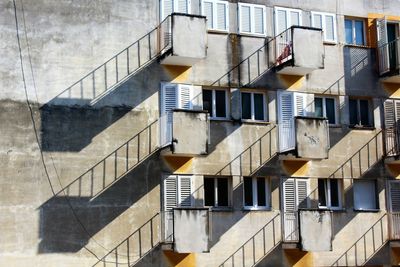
(286, 121)
(392, 35)
(391, 118)
(382, 45)
(394, 208)
(294, 196)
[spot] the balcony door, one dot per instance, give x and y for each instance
(394, 208)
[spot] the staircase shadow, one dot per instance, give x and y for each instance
(68, 221)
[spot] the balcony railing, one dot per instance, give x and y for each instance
(394, 225)
(392, 140)
(290, 227)
(389, 57)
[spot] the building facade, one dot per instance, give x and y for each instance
(200, 133)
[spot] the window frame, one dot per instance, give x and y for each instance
(214, 104)
(353, 29)
(255, 194)
(277, 8)
(215, 191)
(174, 8)
(370, 114)
(252, 110)
(327, 192)
(324, 108)
(214, 12)
(323, 22)
(376, 196)
(252, 17)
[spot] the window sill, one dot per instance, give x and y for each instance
(217, 31)
(256, 209)
(333, 209)
(249, 34)
(356, 46)
(367, 210)
(330, 43)
(221, 209)
(246, 121)
(220, 119)
(364, 128)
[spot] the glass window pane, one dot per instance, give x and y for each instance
(334, 193)
(248, 191)
(330, 110)
(221, 16)
(208, 12)
(364, 195)
(220, 100)
(261, 194)
(245, 18)
(259, 106)
(353, 111)
(364, 116)
(348, 24)
(246, 106)
(222, 192)
(207, 101)
(282, 21)
(359, 28)
(317, 21)
(294, 18)
(209, 196)
(321, 193)
(329, 28)
(318, 107)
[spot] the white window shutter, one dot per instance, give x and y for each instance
(221, 19)
(289, 195)
(170, 192)
(300, 101)
(317, 21)
(185, 191)
(394, 190)
(281, 21)
(208, 12)
(390, 116)
(245, 15)
(259, 20)
(301, 193)
(383, 49)
(168, 98)
(167, 8)
(183, 6)
(184, 96)
(330, 28)
(286, 121)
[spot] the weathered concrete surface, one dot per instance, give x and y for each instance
(316, 230)
(312, 140)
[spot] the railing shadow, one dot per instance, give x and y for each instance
(115, 165)
(362, 160)
(258, 246)
(253, 158)
(366, 246)
(136, 246)
(106, 77)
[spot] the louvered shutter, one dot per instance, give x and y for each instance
(290, 222)
(222, 11)
(301, 193)
(330, 28)
(286, 121)
(289, 201)
(390, 116)
(383, 48)
(184, 96)
(281, 21)
(294, 18)
(394, 190)
(245, 24)
(185, 191)
(259, 20)
(300, 101)
(183, 6)
(208, 12)
(170, 192)
(167, 8)
(169, 99)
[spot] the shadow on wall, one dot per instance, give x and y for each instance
(67, 127)
(60, 230)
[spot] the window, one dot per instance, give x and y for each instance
(285, 18)
(329, 193)
(168, 7)
(177, 192)
(256, 193)
(217, 14)
(360, 113)
(326, 22)
(365, 197)
(251, 19)
(253, 107)
(217, 191)
(325, 107)
(216, 103)
(355, 33)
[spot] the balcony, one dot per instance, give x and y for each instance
(307, 137)
(389, 61)
(299, 51)
(185, 131)
(184, 29)
(394, 226)
(187, 230)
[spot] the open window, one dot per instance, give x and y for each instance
(252, 19)
(167, 7)
(256, 193)
(217, 13)
(218, 192)
(387, 45)
(330, 194)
